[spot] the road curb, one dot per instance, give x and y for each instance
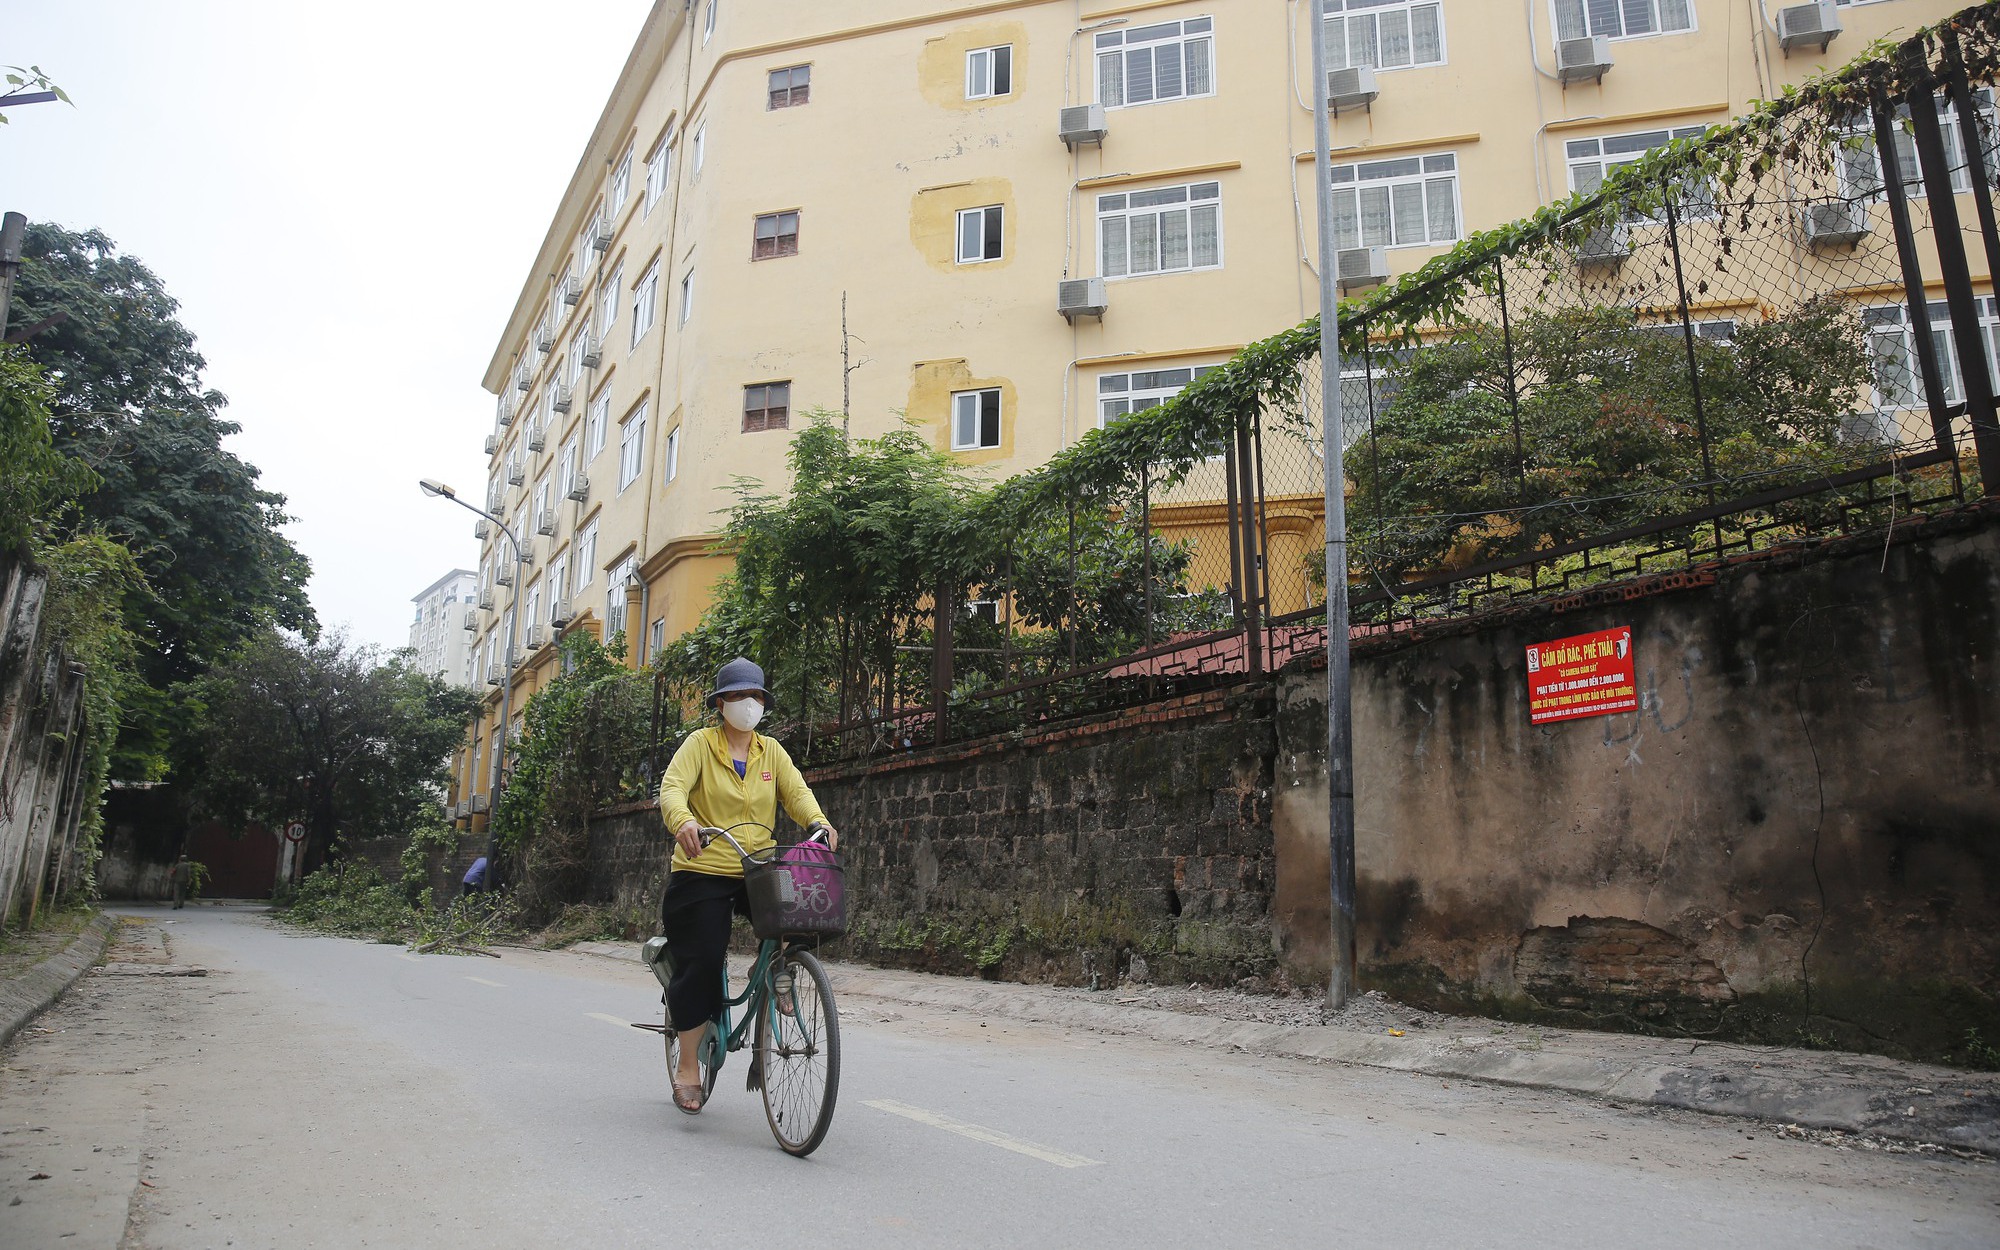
(27, 996)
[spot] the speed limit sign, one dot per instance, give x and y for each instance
(296, 831)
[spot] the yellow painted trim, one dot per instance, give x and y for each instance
(1187, 171)
(1585, 123)
(680, 550)
(1167, 355)
(1366, 150)
(1143, 6)
(944, 186)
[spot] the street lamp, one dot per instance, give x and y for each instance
(436, 489)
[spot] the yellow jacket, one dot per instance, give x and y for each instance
(701, 785)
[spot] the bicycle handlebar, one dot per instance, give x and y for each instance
(710, 833)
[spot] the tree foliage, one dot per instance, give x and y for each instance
(335, 735)
(36, 480)
(127, 400)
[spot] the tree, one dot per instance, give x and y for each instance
(337, 736)
(35, 478)
(129, 403)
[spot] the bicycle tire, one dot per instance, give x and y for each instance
(674, 1056)
(801, 1065)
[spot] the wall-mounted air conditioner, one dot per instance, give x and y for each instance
(562, 397)
(505, 576)
(516, 474)
(592, 353)
(1350, 88)
(522, 377)
(560, 613)
(486, 599)
(471, 619)
(1080, 297)
(1606, 245)
(1357, 267)
(538, 440)
(1578, 59)
(492, 443)
(545, 339)
(1835, 223)
(1808, 25)
(571, 289)
(579, 488)
(479, 530)
(600, 234)
(492, 674)
(535, 637)
(462, 810)
(479, 800)
(545, 523)
(1082, 123)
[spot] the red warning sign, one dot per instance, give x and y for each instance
(1588, 675)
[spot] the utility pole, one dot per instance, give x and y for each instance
(1339, 690)
(12, 228)
(846, 369)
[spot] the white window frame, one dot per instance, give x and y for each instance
(708, 23)
(1117, 207)
(1119, 49)
(687, 296)
(985, 215)
(566, 466)
(1570, 19)
(1419, 174)
(980, 64)
(586, 555)
(968, 414)
(544, 499)
(558, 584)
(1857, 152)
(1884, 322)
(596, 422)
(577, 342)
(1119, 395)
(645, 302)
(673, 453)
(699, 155)
(615, 596)
(1346, 19)
(608, 296)
(656, 638)
(621, 182)
(659, 170)
(1694, 207)
(632, 447)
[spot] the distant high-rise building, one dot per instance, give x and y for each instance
(438, 634)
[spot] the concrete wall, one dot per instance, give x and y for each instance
(1796, 837)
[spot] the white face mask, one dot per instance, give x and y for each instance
(743, 714)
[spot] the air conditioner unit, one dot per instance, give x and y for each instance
(1080, 297)
(492, 443)
(545, 339)
(479, 530)
(538, 440)
(523, 378)
(1350, 88)
(579, 488)
(1835, 223)
(1606, 245)
(1357, 267)
(545, 523)
(1082, 123)
(591, 353)
(600, 235)
(562, 397)
(503, 412)
(535, 638)
(1808, 25)
(492, 674)
(1578, 59)
(505, 577)
(560, 613)
(479, 800)
(571, 289)
(516, 474)
(471, 619)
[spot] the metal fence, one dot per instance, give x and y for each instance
(1759, 334)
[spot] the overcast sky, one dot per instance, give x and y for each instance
(345, 198)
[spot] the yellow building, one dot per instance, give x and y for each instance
(944, 169)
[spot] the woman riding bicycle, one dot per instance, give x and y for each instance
(722, 777)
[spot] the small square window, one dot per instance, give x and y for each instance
(790, 87)
(989, 72)
(979, 231)
(975, 420)
(767, 407)
(777, 235)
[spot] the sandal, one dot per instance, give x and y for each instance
(688, 1097)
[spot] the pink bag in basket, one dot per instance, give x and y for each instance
(797, 891)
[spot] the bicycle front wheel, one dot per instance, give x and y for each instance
(799, 1053)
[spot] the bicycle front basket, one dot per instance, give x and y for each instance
(796, 891)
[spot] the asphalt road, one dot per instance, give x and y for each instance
(315, 1091)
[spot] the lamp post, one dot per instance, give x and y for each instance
(437, 489)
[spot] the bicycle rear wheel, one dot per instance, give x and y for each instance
(800, 1056)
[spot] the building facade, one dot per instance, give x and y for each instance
(439, 634)
(935, 171)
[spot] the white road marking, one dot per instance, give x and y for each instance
(483, 981)
(991, 1137)
(620, 1021)
(405, 955)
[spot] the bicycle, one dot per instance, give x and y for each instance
(795, 1057)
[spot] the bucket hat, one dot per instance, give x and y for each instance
(739, 675)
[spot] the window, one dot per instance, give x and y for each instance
(566, 465)
(673, 453)
(1122, 394)
(989, 72)
(1860, 170)
(615, 596)
(659, 170)
(1164, 62)
(577, 343)
(632, 447)
(621, 182)
(767, 407)
(558, 584)
(789, 87)
(645, 302)
(708, 21)
(687, 296)
(657, 638)
(1384, 34)
(586, 554)
(975, 419)
(979, 234)
(534, 603)
(1409, 201)
(1622, 19)
(595, 425)
(544, 497)
(1899, 382)
(1160, 231)
(700, 148)
(777, 234)
(1592, 160)
(607, 297)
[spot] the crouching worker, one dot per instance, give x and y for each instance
(722, 776)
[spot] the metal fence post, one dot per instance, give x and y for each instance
(1694, 370)
(1513, 387)
(1976, 168)
(944, 602)
(1253, 621)
(1915, 305)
